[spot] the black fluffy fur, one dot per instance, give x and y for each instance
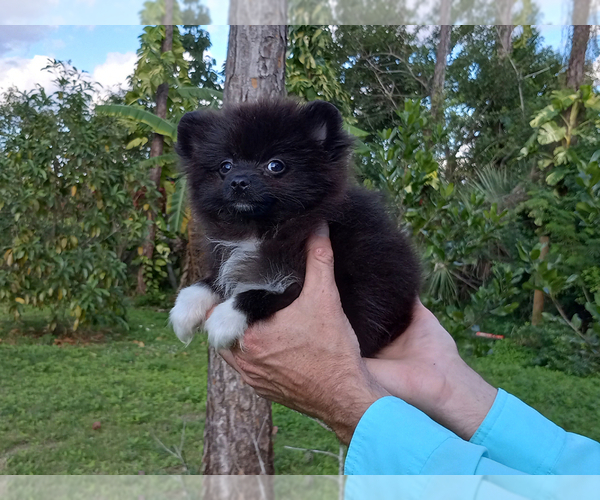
(376, 270)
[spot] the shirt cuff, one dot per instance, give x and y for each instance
(520, 437)
(394, 437)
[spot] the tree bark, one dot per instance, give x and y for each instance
(156, 148)
(439, 75)
(538, 295)
(576, 69)
(505, 27)
(237, 436)
(579, 43)
(257, 12)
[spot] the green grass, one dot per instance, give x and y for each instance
(51, 395)
(142, 386)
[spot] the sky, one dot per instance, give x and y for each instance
(108, 53)
(101, 37)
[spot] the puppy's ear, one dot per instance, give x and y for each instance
(324, 121)
(192, 132)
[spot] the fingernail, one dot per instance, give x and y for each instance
(322, 230)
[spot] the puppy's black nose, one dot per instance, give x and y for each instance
(240, 183)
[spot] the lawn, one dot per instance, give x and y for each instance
(141, 387)
(112, 403)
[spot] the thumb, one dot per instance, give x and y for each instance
(319, 262)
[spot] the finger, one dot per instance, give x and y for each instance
(319, 262)
(210, 311)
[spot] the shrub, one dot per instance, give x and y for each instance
(66, 203)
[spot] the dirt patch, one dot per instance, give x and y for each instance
(9, 453)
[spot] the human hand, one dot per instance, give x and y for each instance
(423, 367)
(307, 355)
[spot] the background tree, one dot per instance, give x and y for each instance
(158, 141)
(505, 27)
(153, 69)
(201, 68)
(193, 13)
(66, 189)
(239, 425)
(579, 43)
(373, 64)
(311, 70)
(441, 61)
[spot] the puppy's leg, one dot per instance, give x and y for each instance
(229, 320)
(189, 312)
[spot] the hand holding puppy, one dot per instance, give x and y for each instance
(307, 357)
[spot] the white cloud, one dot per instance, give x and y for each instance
(15, 38)
(24, 74)
(113, 73)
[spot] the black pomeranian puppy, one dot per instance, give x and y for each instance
(262, 177)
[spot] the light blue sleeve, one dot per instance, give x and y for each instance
(394, 437)
(518, 436)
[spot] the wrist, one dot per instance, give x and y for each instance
(466, 402)
(350, 405)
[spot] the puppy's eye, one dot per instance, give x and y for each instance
(276, 167)
(225, 167)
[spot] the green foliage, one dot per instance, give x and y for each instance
(194, 13)
(155, 67)
(455, 229)
(66, 210)
(380, 67)
(553, 345)
(158, 125)
(490, 99)
(196, 43)
(310, 68)
(155, 273)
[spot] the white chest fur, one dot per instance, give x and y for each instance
(237, 260)
(241, 270)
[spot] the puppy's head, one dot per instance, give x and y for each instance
(266, 160)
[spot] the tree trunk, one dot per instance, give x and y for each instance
(579, 42)
(257, 12)
(505, 27)
(538, 295)
(237, 436)
(439, 75)
(156, 147)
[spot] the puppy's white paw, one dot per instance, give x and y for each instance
(189, 312)
(226, 325)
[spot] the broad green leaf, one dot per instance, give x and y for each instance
(355, 131)
(550, 133)
(555, 177)
(158, 125)
(159, 161)
(200, 93)
(177, 206)
(547, 114)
